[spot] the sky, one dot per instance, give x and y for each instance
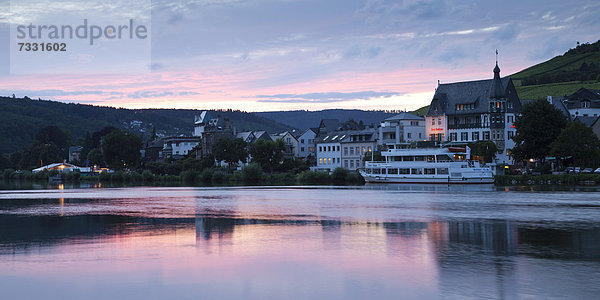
(267, 55)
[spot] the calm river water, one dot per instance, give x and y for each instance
(371, 242)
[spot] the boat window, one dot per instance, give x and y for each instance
(369, 171)
(376, 171)
(430, 158)
(383, 171)
(408, 158)
(420, 158)
(442, 171)
(392, 171)
(444, 158)
(404, 171)
(429, 171)
(416, 171)
(456, 174)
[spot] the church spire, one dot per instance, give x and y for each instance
(496, 90)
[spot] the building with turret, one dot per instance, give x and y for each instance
(482, 110)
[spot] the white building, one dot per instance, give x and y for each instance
(179, 146)
(465, 112)
(401, 129)
(306, 143)
(291, 143)
(345, 149)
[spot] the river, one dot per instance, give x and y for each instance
(370, 242)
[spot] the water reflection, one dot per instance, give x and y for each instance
(240, 244)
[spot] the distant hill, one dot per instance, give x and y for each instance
(562, 75)
(22, 118)
(302, 119)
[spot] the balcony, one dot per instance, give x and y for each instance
(466, 126)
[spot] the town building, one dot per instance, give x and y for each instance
(345, 148)
(62, 167)
(211, 129)
(179, 146)
(290, 141)
(356, 145)
(583, 103)
(401, 130)
(465, 112)
(306, 143)
(75, 153)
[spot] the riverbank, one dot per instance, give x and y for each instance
(548, 179)
(213, 176)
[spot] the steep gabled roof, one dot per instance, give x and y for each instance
(448, 95)
(588, 121)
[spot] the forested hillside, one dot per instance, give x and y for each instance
(22, 118)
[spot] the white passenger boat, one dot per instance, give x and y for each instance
(427, 165)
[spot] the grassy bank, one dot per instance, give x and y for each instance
(250, 175)
(562, 179)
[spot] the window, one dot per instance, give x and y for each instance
(408, 135)
(475, 135)
(376, 171)
(464, 136)
(420, 135)
(453, 136)
(442, 171)
(329, 160)
(338, 148)
(358, 163)
(404, 171)
(302, 149)
(351, 164)
(416, 171)
(432, 137)
(369, 149)
(585, 104)
(321, 161)
(429, 171)
(328, 148)
(432, 121)
(486, 135)
(510, 134)
(338, 160)
(345, 150)
(364, 149)
(414, 123)
(302, 141)
(351, 150)
(392, 171)
(439, 121)
(357, 150)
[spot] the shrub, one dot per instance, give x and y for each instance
(218, 177)
(338, 176)
(252, 174)
(147, 176)
(206, 176)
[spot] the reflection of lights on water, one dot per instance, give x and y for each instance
(61, 203)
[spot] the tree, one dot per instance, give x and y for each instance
(485, 149)
(230, 151)
(375, 157)
(88, 144)
(121, 149)
(578, 144)
(537, 127)
(39, 154)
(95, 157)
(154, 136)
(56, 136)
(267, 154)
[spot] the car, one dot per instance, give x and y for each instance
(597, 171)
(587, 170)
(577, 170)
